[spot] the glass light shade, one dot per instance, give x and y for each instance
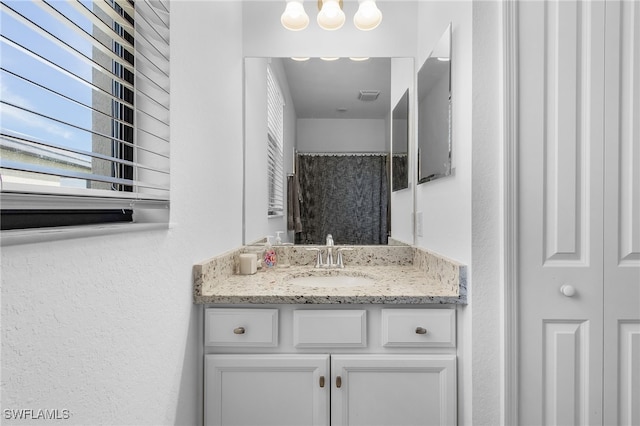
(331, 16)
(368, 15)
(294, 17)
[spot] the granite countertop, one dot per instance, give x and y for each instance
(413, 277)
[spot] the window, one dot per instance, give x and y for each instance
(275, 143)
(85, 112)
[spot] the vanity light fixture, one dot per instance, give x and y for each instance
(300, 59)
(354, 59)
(294, 17)
(368, 15)
(329, 59)
(330, 16)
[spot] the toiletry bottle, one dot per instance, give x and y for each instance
(270, 259)
(278, 238)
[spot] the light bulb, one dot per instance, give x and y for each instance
(294, 17)
(331, 17)
(368, 15)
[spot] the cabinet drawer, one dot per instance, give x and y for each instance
(419, 327)
(330, 328)
(241, 327)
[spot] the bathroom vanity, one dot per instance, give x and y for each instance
(377, 350)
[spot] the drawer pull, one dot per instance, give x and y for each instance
(239, 330)
(321, 381)
(421, 330)
(338, 382)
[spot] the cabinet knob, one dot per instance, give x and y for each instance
(321, 381)
(239, 330)
(568, 290)
(338, 382)
(421, 330)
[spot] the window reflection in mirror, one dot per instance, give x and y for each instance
(434, 112)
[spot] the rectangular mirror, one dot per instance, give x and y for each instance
(336, 144)
(400, 144)
(434, 112)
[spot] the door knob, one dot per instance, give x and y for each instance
(568, 290)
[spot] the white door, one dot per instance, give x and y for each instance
(266, 390)
(398, 390)
(622, 215)
(561, 63)
(579, 212)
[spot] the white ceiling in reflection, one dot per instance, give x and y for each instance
(325, 89)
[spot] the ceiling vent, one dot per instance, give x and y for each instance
(368, 95)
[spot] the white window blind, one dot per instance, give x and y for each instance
(275, 144)
(85, 105)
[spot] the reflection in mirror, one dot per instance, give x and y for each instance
(400, 144)
(434, 112)
(336, 149)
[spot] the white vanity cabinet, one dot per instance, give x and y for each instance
(301, 365)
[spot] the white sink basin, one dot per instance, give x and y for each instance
(332, 281)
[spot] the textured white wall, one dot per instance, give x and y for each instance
(487, 213)
(105, 326)
(446, 203)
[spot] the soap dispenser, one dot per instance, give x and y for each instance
(269, 257)
(278, 238)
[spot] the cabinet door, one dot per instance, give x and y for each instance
(266, 390)
(397, 390)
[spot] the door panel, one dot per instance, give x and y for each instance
(561, 64)
(566, 381)
(622, 215)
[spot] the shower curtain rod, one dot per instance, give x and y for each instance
(342, 154)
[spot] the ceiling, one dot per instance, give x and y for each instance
(322, 89)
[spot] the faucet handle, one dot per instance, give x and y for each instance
(318, 255)
(340, 263)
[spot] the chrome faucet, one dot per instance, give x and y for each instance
(329, 259)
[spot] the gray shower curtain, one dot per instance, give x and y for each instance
(343, 195)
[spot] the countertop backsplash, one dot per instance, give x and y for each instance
(426, 277)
